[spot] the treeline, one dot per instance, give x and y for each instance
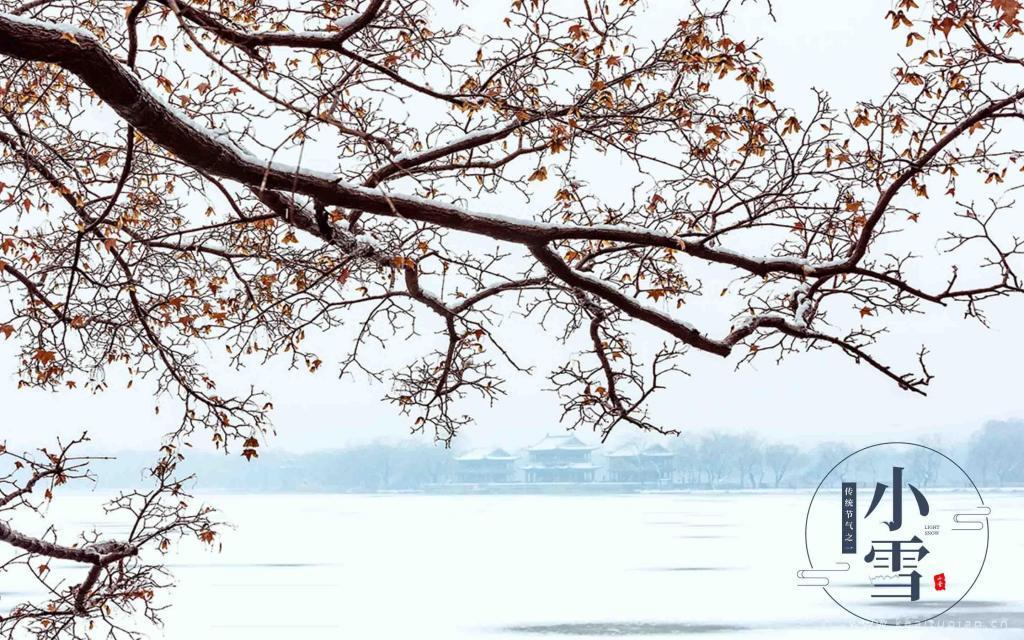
(365, 468)
(993, 456)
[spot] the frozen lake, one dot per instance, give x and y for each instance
(712, 565)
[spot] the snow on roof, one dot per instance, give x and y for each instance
(554, 441)
(634, 450)
(657, 450)
(630, 450)
(486, 454)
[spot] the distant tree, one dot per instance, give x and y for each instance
(749, 459)
(416, 465)
(875, 462)
(433, 464)
(822, 458)
(716, 456)
(686, 462)
(924, 464)
(780, 459)
(997, 452)
(383, 466)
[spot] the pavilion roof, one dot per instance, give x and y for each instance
(576, 466)
(486, 454)
(554, 441)
(636, 450)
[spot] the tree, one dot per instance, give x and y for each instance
(780, 458)
(823, 458)
(994, 452)
(926, 465)
(118, 578)
(715, 454)
(749, 459)
(686, 462)
(247, 175)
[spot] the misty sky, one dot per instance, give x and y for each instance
(843, 47)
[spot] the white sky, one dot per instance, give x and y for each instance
(843, 47)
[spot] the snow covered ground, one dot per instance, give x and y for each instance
(712, 565)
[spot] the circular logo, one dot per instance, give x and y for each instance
(898, 531)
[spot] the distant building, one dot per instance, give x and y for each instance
(560, 458)
(485, 466)
(639, 463)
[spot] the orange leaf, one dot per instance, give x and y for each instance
(539, 175)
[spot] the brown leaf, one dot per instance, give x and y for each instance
(1008, 10)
